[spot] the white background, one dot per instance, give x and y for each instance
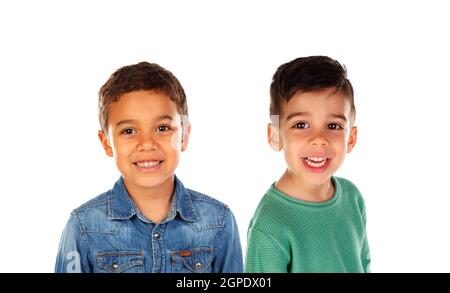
(55, 55)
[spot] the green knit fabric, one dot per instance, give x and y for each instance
(291, 235)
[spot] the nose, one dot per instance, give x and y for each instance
(318, 139)
(146, 143)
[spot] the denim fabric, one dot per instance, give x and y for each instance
(109, 234)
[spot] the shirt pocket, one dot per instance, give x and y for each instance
(195, 260)
(121, 261)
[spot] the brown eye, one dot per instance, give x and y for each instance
(163, 128)
(301, 125)
(334, 126)
(128, 131)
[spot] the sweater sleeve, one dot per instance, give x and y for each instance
(264, 254)
(365, 251)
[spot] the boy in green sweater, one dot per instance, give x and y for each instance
(310, 220)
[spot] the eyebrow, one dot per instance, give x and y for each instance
(131, 121)
(125, 121)
(339, 116)
(292, 115)
(295, 114)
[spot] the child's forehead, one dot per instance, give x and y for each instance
(139, 105)
(148, 97)
(320, 102)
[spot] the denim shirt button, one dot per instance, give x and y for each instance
(115, 266)
(198, 265)
(156, 235)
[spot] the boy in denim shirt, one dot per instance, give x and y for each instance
(148, 221)
(310, 220)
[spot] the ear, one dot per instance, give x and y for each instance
(352, 139)
(105, 143)
(185, 136)
(273, 136)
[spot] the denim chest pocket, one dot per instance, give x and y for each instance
(195, 260)
(121, 261)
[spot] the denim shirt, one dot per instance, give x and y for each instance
(109, 234)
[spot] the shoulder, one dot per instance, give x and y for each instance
(94, 209)
(348, 188)
(273, 205)
(93, 204)
(209, 211)
(346, 184)
(201, 199)
(271, 214)
(350, 192)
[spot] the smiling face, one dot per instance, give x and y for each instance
(145, 138)
(315, 134)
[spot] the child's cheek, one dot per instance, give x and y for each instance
(175, 141)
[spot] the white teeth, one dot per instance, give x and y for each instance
(316, 159)
(316, 162)
(149, 164)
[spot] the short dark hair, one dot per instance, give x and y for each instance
(308, 74)
(141, 76)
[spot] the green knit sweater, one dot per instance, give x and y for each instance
(291, 235)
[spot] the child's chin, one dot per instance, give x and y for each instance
(151, 182)
(317, 178)
(147, 181)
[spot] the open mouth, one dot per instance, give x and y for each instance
(147, 166)
(316, 163)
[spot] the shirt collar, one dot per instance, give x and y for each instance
(122, 207)
(185, 206)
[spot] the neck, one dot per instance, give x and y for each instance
(153, 202)
(298, 188)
